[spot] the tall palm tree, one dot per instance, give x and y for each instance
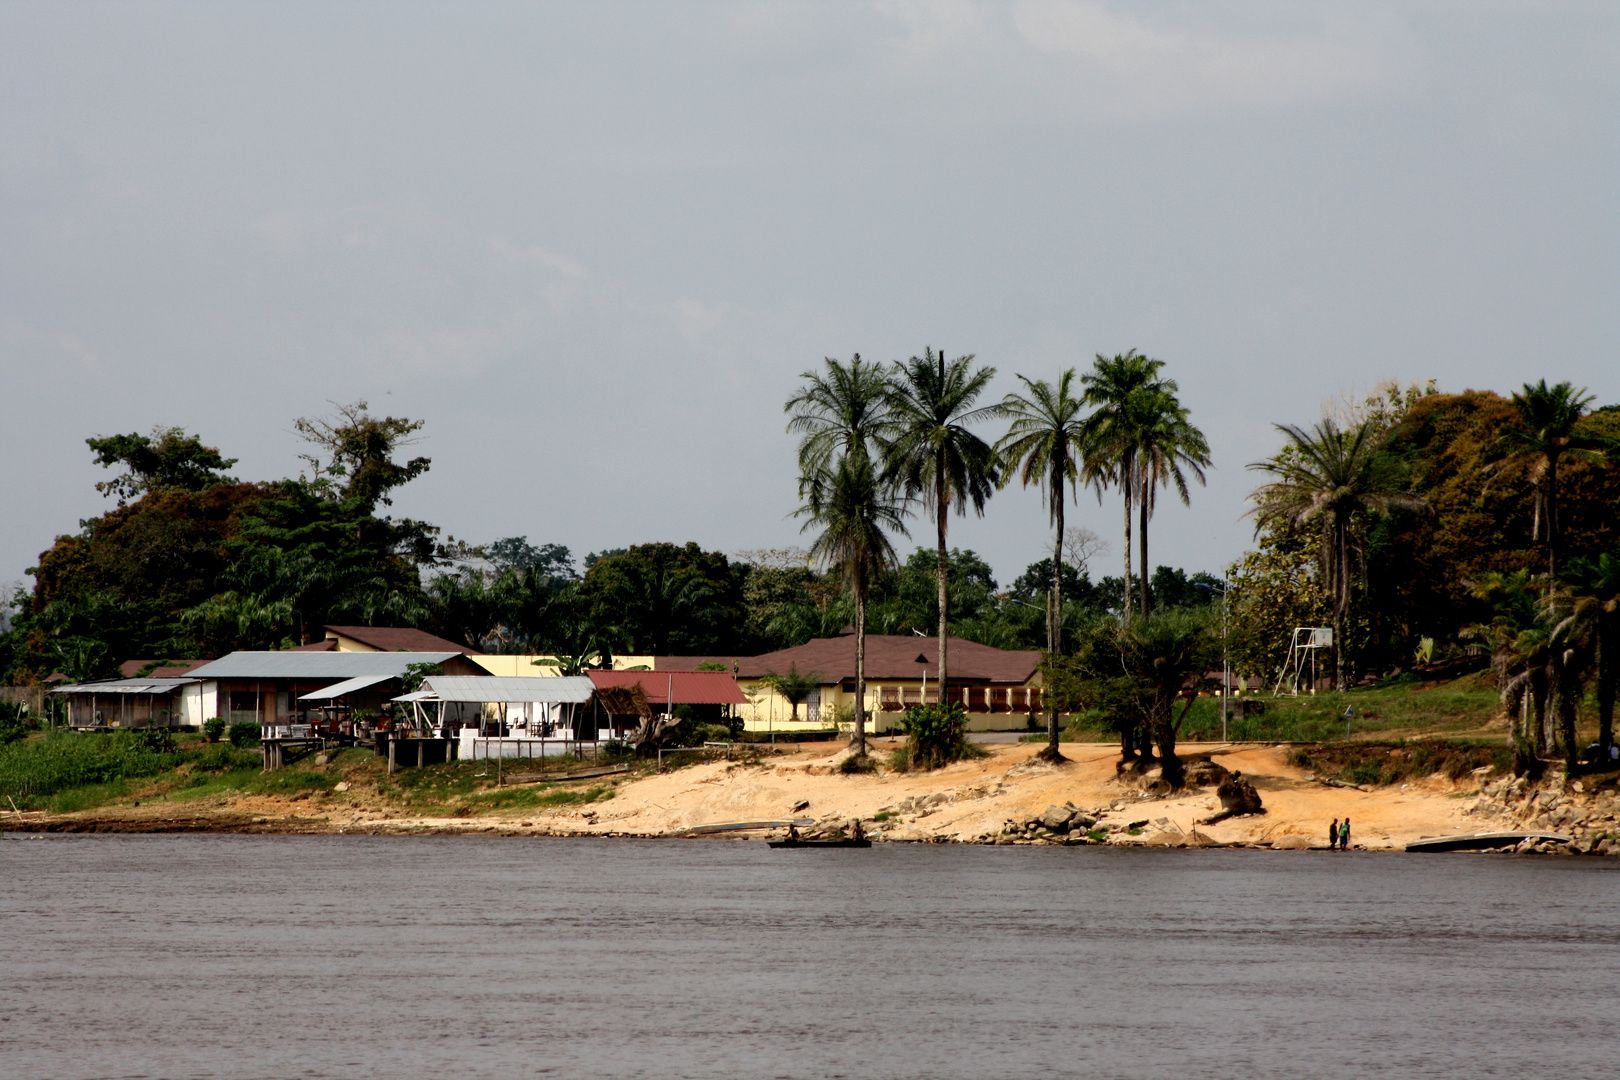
(1115, 386)
(843, 409)
(930, 454)
(854, 514)
(1337, 478)
(1166, 444)
(1045, 446)
(1543, 435)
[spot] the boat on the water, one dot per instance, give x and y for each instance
(1490, 841)
(848, 842)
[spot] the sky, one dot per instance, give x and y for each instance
(594, 245)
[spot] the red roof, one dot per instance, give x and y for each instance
(888, 656)
(129, 669)
(686, 687)
(324, 645)
(400, 639)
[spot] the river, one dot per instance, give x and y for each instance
(470, 957)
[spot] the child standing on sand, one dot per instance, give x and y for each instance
(1344, 835)
(1333, 834)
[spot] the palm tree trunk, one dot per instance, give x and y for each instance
(1341, 598)
(1552, 516)
(1142, 513)
(1054, 619)
(860, 668)
(944, 570)
(1538, 709)
(1569, 693)
(1125, 492)
(1608, 675)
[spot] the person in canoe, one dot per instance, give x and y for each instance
(859, 833)
(793, 832)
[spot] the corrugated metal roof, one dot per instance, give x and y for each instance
(686, 687)
(125, 686)
(345, 687)
(315, 665)
(509, 688)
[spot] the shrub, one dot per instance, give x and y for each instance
(12, 725)
(856, 764)
(244, 733)
(213, 728)
(221, 759)
(71, 759)
(936, 736)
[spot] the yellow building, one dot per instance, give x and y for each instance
(1001, 688)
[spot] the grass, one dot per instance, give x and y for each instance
(540, 796)
(33, 770)
(1465, 704)
(1381, 764)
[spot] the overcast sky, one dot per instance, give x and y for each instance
(594, 245)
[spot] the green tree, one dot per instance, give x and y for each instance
(358, 449)
(1168, 447)
(844, 409)
(166, 460)
(1045, 446)
(930, 454)
(853, 515)
(665, 598)
(1543, 435)
(1119, 388)
(1335, 479)
(793, 686)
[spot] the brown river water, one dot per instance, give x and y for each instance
(470, 957)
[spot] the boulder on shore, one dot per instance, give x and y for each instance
(1238, 797)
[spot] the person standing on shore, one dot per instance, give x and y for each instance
(1333, 834)
(1344, 835)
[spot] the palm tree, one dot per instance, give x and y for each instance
(1113, 387)
(1045, 445)
(930, 454)
(854, 513)
(1166, 443)
(1337, 477)
(1544, 434)
(1586, 610)
(843, 410)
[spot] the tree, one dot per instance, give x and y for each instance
(1168, 446)
(1335, 479)
(854, 513)
(793, 686)
(930, 454)
(166, 460)
(1045, 445)
(359, 448)
(844, 410)
(1543, 434)
(1586, 610)
(666, 598)
(1114, 387)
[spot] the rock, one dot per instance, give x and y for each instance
(322, 759)
(1290, 843)
(802, 804)
(1056, 818)
(342, 785)
(1202, 772)
(1237, 797)
(1082, 821)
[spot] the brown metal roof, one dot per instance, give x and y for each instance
(129, 668)
(888, 656)
(399, 639)
(686, 687)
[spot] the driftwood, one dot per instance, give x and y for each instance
(1238, 798)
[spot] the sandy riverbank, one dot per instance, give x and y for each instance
(968, 802)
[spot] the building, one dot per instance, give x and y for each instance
(382, 639)
(660, 691)
(1000, 688)
(293, 687)
(127, 703)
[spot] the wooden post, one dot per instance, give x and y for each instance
(391, 745)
